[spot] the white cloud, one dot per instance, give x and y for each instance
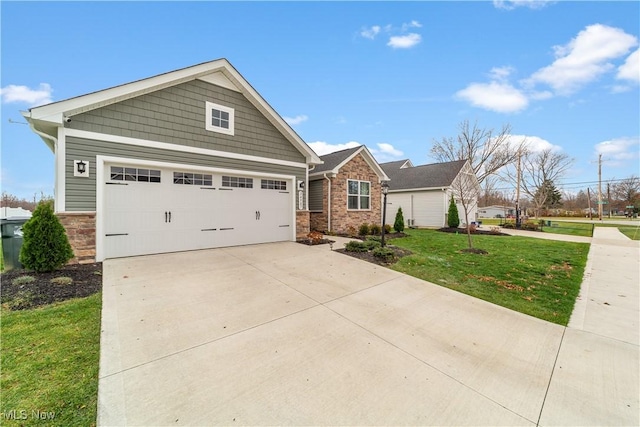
(494, 96)
(533, 143)
(321, 147)
(386, 152)
(630, 70)
(371, 32)
(404, 42)
(26, 95)
(412, 24)
(512, 4)
(584, 59)
(501, 73)
(619, 149)
(292, 121)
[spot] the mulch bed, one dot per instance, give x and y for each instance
(368, 256)
(86, 280)
(313, 242)
(478, 231)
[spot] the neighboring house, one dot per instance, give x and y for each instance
(345, 191)
(423, 192)
(190, 159)
(496, 211)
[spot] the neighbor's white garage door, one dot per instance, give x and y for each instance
(155, 210)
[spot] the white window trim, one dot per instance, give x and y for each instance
(359, 195)
(208, 126)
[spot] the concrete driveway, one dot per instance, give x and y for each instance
(286, 334)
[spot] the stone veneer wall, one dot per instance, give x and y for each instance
(319, 219)
(341, 217)
(81, 230)
(302, 224)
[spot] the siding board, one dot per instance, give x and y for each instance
(81, 192)
(176, 115)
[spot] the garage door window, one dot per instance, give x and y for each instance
(188, 178)
(121, 173)
(358, 197)
(237, 182)
(272, 184)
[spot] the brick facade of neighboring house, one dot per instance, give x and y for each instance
(302, 224)
(329, 207)
(81, 231)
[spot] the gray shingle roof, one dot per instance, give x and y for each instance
(334, 159)
(424, 176)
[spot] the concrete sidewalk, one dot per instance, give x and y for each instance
(596, 379)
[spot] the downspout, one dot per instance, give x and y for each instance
(328, 201)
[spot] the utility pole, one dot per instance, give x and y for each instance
(518, 222)
(600, 187)
(609, 198)
(589, 202)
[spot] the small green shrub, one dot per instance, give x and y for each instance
(45, 244)
(21, 300)
(375, 229)
(63, 281)
(509, 225)
(372, 244)
(355, 246)
(385, 254)
(23, 280)
(530, 225)
(375, 238)
(387, 228)
(364, 229)
(453, 220)
(398, 224)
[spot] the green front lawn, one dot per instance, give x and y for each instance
(50, 359)
(533, 276)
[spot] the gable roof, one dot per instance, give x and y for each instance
(336, 160)
(435, 175)
(47, 118)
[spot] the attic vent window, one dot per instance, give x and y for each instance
(219, 118)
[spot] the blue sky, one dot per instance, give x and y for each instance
(394, 76)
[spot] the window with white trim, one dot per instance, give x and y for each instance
(272, 184)
(358, 195)
(219, 118)
(188, 178)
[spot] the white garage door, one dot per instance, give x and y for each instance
(155, 210)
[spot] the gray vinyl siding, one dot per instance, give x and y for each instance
(176, 115)
(315, 196)
(81, 192)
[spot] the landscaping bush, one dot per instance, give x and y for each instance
(453, 220)
(374, 238)
(375, 229)
(398, 224)
(530, 225)
(364, 229)
(356, 246)
(351, 231)
(45, 244)
(385, 254)
(387, 228)
(509, 225)
(372, 244)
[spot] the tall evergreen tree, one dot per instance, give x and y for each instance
(398, 224)
(453, 219)
(45, 244)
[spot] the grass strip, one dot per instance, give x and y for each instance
(50, 359)
(537, 277)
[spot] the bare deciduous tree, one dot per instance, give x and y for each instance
(627, 190)
(466, 190)
(537, 169)
(486, 150)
